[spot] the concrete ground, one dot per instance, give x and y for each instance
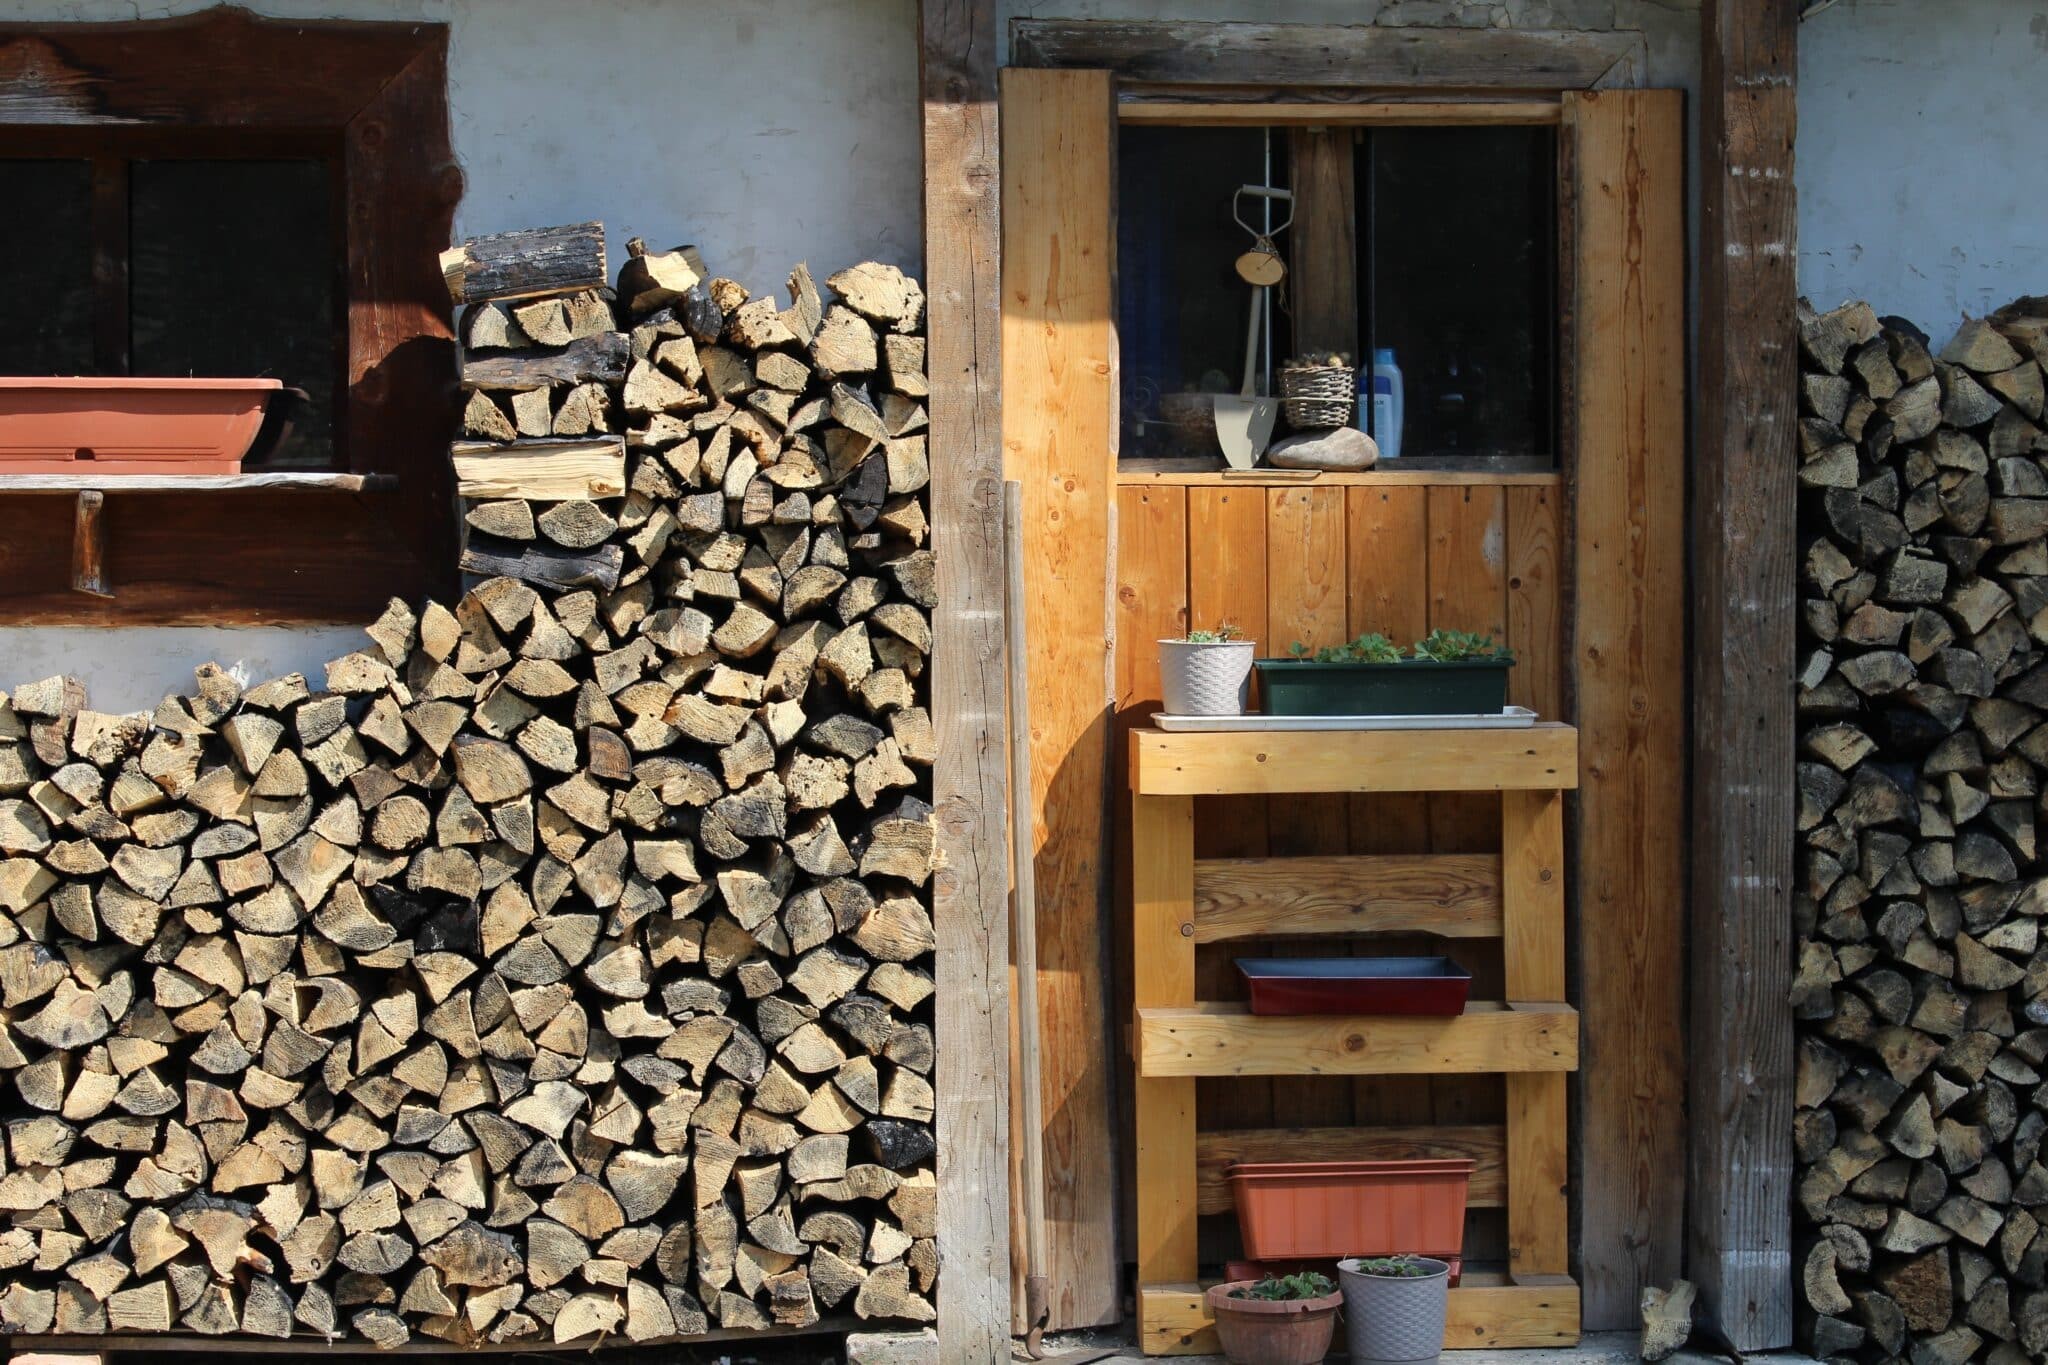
(1603, 1348)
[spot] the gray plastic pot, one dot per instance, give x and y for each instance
(1205, 679)
(1395, 1321)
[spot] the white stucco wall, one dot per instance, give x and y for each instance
(764, 131)
(1919, 166)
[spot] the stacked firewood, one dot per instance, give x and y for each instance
(557, 967)
(1922, 980)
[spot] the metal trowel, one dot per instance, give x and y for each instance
(1244, 422)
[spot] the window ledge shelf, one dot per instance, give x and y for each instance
(277, 481)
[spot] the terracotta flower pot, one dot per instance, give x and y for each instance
(1272, 1331)
(1317, 1210)
(129, 426)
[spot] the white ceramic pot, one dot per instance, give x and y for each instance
(1205, 679)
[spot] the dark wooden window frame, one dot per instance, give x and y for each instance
(375, 93)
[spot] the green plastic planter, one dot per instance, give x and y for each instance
(1413, 687)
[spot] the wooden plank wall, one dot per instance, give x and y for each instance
(1628, 643)
(1740, 1227)
(1321, 564)
(970, 892)
(1060, 395)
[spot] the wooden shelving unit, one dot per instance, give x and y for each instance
(1531, 1039)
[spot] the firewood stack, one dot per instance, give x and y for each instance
(557, 967)
(1922, 981)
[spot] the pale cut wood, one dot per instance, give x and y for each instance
(1162, 899)
(957, 43)
(543, 470)
(1483, 1144)
(1059, 412)
(1218, 1039)
(1457, 895)
(1628, 660)
(1540, 757)
(1184, 52)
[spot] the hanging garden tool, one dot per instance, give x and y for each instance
(1244, 421)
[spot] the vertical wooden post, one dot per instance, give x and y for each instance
(957, 48)
(1628, 661)
(1740, 1115)
(1163, 921)
(1532, 954)
(1325, 246)
(89, 545)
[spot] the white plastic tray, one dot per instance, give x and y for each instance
(1514, 718)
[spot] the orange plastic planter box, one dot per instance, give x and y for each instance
(130, 426)
(1317, 1210)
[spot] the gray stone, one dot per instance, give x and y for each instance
(1341, 448)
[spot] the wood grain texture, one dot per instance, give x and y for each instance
(1741, 1091)
(1629, 650)
(89, 544)
(1484, 1145)
(962, 251)
(1058, 439)
(1305, 604)
(1535, 627)
(1542, 757)
(1485, 1312)
(376, 94)
(1216, 1039)
(546, 470)
(1323, 243)
(1162, 913)
(1467, 591)
(1456, 895)
(1305, 55)
(1266, 113)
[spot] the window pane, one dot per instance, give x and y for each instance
(234, 273)
(46, 283)
(1181, 308)
(1458, 231)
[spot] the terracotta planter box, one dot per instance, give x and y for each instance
(1272, 1331)
(1319, 1210)
(130, 426)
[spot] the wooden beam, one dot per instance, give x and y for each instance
(1224, 1039)
(1176, 52)
(1059, 442)
(89, 544)
(1627, 152)
(1745, 603)
(957, 79)
(1323, 244)
(1457, 895)
(1284, 114)
(1542, 757)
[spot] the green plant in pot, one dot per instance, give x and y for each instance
(1280, 1320)
(1394, 1308)
(1206, 672)
(1446, 673)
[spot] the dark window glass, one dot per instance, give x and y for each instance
(1182, 311)
(1458, 239)
(46, 301)
(233, 273)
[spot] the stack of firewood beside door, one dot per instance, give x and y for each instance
(1922, 984)
(557, 967)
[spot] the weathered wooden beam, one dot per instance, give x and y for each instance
(89, 544)
(517, 265)
(1741, 1110)
(1324, 246)
(957, 47)
(1174, 52)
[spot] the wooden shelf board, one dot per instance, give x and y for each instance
(1487, 1310)
(1224, 1039)
(1372, 478)
(275, 481)
(1442, 114)
(1542, 757)
(1484, 1144)
(1456, 895)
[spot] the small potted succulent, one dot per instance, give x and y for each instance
(1394, 1308)
(1280, 1320)
(1206, 672)
(1446, 673)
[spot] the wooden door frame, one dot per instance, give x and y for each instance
(1639, 1196)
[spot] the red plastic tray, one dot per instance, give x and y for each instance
(1355, 985)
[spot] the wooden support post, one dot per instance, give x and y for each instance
(958, 80)
(1627, 154)
(1532, 952)
(1741, 1109)
(1324, 249)
(1163, 927)
(89, 545)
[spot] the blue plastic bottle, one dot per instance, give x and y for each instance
(1385, 402)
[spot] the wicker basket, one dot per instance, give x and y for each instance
(1318, 397)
